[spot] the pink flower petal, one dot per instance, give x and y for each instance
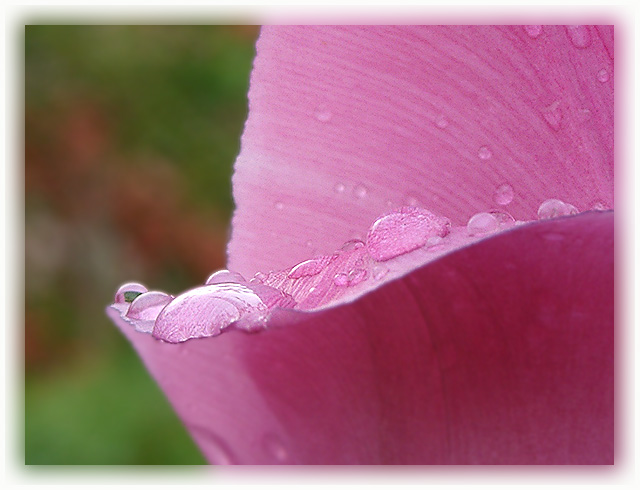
(346, 123)
(501, 352)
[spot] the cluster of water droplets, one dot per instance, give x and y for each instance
(396, 242)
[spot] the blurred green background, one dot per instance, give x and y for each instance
(130, 137)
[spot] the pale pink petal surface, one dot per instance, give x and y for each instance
(346, 123)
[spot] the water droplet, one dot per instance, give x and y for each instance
(356, 276)
(599, 206)
(223, 276)
(130, 287)
(434, 241)
(379, 271)
(217, 450)
(274, 447)
(259, 277)
(352, 245)
(341, 279)
(206, 311)
(603, 76)
(484, 153)
(360, 191)
(339, 188)
(553, 115)
(482, 223)
(503, 217)
(323, 114)
(148, 305)
(310, 267)
(553, 208)
(503, 195)
(279, 206)
(402, 231)
(533, 31)
(579, 35)
(442, 122)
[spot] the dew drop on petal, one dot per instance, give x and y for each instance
(339, 188)
(309, 267)
(274, 447)
(218, 452)
(223, 276)
(482, 223)
(206, 311)
(599, 206)
(603, 76)
(484, 153)
(341, 279)
(352, 245)
(553, 115)
(533, 31)
(148, 305)
(360, 191)
(434, 241)
(322, 114)
(379, 271)
(442, 122)
(279, 206)
(553, 208)
(503, 195)
(579, 35)
(130, 287)
(402, 231)
(356, 276)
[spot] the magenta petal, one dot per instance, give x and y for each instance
(502, 353)
(348, 122)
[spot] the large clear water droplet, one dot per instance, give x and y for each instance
(553, 208)
(222, 276)
(206, 311)
(503, 195)
(580, 36)
(533, 31)
(482, 223)
(402, 231)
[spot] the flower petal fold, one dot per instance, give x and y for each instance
(502, 353)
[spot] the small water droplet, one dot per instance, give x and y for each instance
(130, 287)
(603, 76)
(274, 447)
(323, 114)
(352, 245)
(553, 115)
(310, 267)
(484, 153)
(339, 187)
(379, 271)
(341, 279)
(503, 195)
(410, 200)
(579, 35)
(482, 223)
(356, 276)
(279, 206)
(503, 218)
(553, 208)
(599, 206)
(434, 241)
(217, 450)
(360, 191)
(442, 122)
(223, 276)
(147, 306)
(402, 231)
(259, 277)
(533, 31)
